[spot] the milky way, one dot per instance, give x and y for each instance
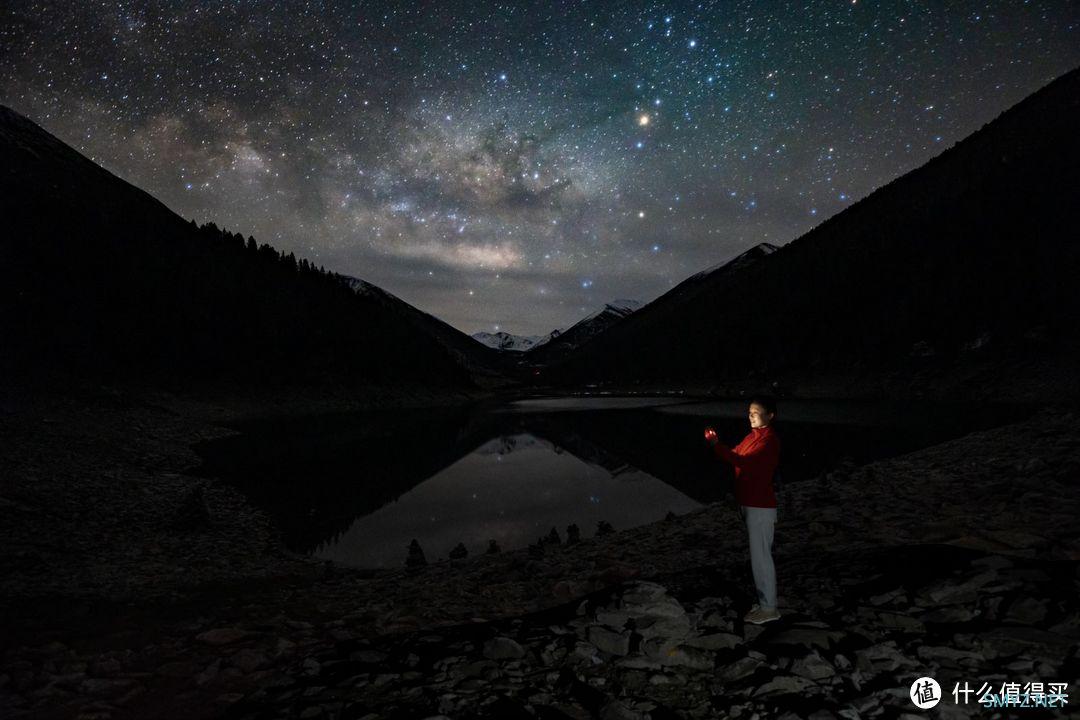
(516, 166)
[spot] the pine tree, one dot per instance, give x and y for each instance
(573, 534)
(416, 555)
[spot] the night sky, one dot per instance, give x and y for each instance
(516, 166)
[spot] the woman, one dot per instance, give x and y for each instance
(755, 459)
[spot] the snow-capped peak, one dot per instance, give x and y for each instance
(625, 304)
(741, 259)
(506, 341)
(363, 287)
(621, 307)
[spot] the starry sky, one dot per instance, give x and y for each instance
(514, 166)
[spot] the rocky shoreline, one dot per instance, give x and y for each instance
(959, 558)
(648, 649)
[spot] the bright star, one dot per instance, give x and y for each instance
(643, 120)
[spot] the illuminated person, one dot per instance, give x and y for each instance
(755, 459)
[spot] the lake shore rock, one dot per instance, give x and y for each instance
(958, 561)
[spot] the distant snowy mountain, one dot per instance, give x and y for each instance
(560, 341)
(515, 343)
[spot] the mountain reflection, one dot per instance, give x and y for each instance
(356, 488)
(512, 489)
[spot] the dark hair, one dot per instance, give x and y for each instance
(765, 401)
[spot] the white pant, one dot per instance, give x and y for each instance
(759, 529)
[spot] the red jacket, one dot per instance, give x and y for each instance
(755, 459)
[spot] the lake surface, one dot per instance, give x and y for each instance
(356, 488)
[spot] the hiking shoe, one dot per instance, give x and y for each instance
(753, 608)
(761, 616)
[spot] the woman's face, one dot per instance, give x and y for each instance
(759, 417)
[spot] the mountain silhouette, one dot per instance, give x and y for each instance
(98, 278)
(487, 366)
(562, 343)
(968, 261)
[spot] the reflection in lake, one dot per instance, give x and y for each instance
(357, 487)
(588, 403)
(511, 489)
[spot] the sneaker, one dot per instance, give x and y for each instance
(761, 616)
(753, 608)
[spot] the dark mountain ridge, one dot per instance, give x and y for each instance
(680, 296)
(563, 343)
(487, 365)
(970, 258)
(101, 279)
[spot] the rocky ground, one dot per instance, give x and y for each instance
(676, 647)
(129, 592)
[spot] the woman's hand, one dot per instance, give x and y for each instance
(710, 436)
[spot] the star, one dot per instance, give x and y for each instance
(391, 145)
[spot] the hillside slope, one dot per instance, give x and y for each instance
(98, 278)
(969, 259)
